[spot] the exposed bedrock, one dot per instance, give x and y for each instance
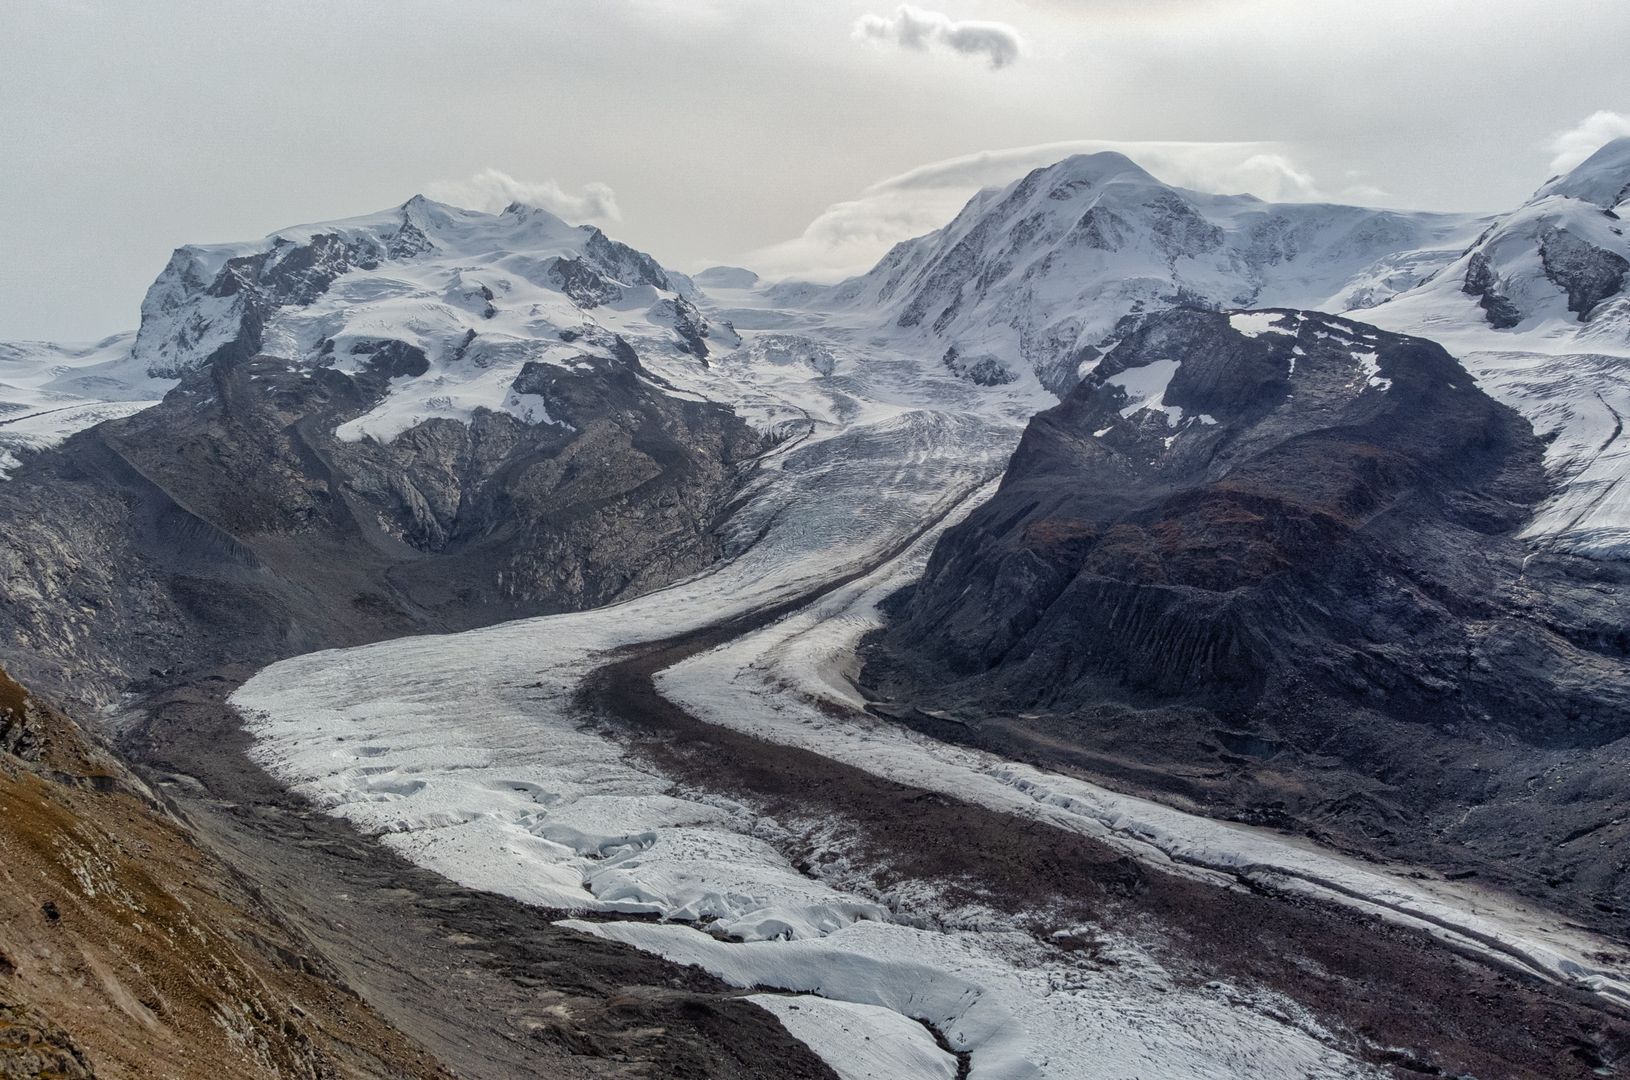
(231, 523)
(1286, 584)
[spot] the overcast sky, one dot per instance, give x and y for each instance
(798, 136)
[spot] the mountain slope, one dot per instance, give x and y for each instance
(425, 418)
(1538, 309)
(1270, 563)
(1035, 277)
(126, 949)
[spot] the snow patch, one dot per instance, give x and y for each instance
(1145, 388)
(1256, 323)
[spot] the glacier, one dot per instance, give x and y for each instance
(468, 754)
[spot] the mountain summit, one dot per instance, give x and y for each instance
(1603, 178)
(1031, 280)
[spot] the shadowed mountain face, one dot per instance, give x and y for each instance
(1269, 562)
(127, 949)
(230, 523)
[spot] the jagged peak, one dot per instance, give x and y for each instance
(1602, 179)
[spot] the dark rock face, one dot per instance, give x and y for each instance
(1179, 228)
(1498, 309)
(623, 263)
(230, 523)
(1585, 272)
(689, 323)
(1102, 229)
(979, 370)
(32, 1048)
(1291, 590)
(578, 280)
(288, 273)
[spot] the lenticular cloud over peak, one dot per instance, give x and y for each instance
(492, 190)
(917, 29)
(1576, 144)
(849, 236)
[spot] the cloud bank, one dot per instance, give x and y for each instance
(850, 236)
(492, 190)
(919, 30)
(1586, 137)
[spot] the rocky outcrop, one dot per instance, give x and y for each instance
(1269, 563)
(230, 522)
(193, 317)
(979, 370)
(578, 280)
(1587, 273)
(1498, 309)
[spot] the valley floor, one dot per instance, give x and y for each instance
(491, 987)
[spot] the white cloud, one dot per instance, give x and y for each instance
(916, 29)
(1583, 139)
(850, 236)
(492, 190)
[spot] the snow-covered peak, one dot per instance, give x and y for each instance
(469, 298)
(727, 277)
(1602, 179)
(1030, 281)
(1086, 171)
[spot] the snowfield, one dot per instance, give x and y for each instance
(1566, 370)
(48, 392)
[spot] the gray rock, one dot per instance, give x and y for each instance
(1303, 603)
(229, 523)
(1585, 272)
